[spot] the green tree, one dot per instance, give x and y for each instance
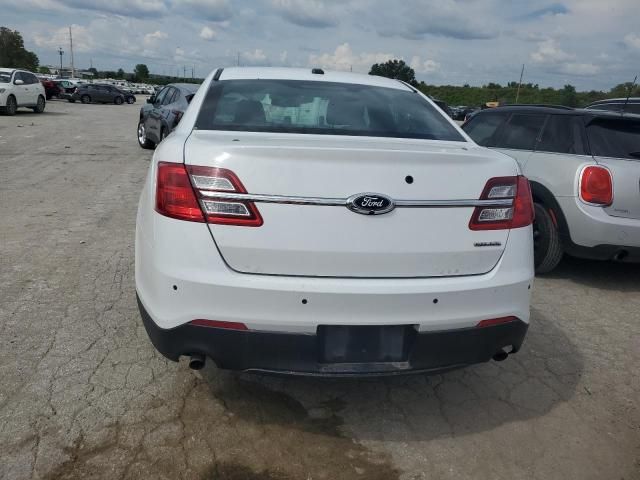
(120, 73)
(395, 69)
(94, 71)
(44, 70)
(568, 96)
(13, 53)
(141, 72)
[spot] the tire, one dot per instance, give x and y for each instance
(547, 248)
(143, 141)
(131, 100)
(117, 100)
(39, 108)
(11, 106)
(85, 99)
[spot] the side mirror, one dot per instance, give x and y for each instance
(151, 99)
(18, 82)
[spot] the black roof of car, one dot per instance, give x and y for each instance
(615, 100)
(560, 110)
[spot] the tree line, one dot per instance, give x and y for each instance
(495, 92)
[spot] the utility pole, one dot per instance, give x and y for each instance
(193, 69)
(184, 72)
(238, 62)
(520, 84)
(73, 71)
(60, 52)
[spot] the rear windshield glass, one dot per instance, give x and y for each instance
(5, 77)
(294, 106)
(615, 138)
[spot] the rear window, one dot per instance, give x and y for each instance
(614, 138)
(521, 132)
(483, 126)
(294, 106)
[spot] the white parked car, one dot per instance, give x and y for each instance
(19, 88)
(315, 223)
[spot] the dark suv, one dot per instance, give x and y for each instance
(631, 105)
(99, 93)
(584, 169)
(163, 112)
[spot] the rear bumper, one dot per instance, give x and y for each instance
(594, 233)
(301, 354)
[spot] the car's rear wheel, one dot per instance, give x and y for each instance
(118, 101)
(39, 108)
(142, 136)
(85, 99)
(547, 249)
(11, 106)
(130, 100)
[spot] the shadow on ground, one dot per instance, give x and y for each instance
(307, 414)
(620, 277)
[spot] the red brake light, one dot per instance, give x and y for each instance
(495, 321)
(182, 193)
(596, 186)
(219, 324)
(174, 195)
(519, 214)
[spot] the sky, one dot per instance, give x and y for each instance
(592, 44)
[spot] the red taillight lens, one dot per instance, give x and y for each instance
(518, 214)
(175, 197)
(495, 321)
(182, 192)
(596, 186)
(220, 210)
(219, 324)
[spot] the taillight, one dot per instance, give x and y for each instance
(496, 321)
(596, 186)
(519, 213)
(181, 193)
(219, 324)
(175, 197)
(220, 210)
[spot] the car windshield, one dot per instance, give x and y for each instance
(294, 106)
(616, 138)
(5, 77)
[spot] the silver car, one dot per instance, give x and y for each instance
(584, 168)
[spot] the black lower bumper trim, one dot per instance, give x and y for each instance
(618, 253)
(301, 354)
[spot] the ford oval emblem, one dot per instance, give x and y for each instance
(370, 203)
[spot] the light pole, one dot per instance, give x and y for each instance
(60, 52)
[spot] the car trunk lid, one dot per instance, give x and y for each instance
(333, 241)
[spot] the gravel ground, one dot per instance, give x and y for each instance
(83, 394)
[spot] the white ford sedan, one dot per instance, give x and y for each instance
(316, 223)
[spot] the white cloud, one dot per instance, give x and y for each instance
(424, 66)
(150, 39)
(208, 33)
(343, 58)
(83, 40)
(579, 68)
(632, 40)
(549, 52)
(283, 57)
(254, 57)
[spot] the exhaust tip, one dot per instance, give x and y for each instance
(500, 356)
(197, 361)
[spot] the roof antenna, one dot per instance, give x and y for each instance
(624, 107)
